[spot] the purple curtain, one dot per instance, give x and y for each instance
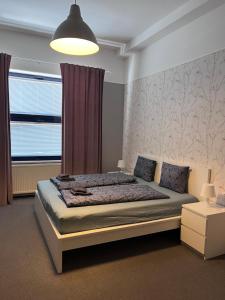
(82, 119)
(5, 148)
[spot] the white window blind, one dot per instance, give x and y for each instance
(34, 96)
(35, 139)
(34, 102)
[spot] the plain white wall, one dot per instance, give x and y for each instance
(30, 46)
(203, 36)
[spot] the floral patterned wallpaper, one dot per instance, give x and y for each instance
(179, 114)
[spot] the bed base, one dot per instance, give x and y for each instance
(57, 243)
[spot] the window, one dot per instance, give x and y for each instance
(35, 108)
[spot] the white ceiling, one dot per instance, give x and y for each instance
(116, 20)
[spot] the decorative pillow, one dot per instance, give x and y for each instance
(145, 168)
(174, 178)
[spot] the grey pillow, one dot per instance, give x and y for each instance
(145, 168)
(174, 178)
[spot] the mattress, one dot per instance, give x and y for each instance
(75, 219)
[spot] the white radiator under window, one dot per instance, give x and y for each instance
(26, 176)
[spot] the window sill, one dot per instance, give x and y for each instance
(37, 162)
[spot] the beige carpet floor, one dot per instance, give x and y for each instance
(154, 267)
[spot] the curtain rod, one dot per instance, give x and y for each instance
(43, 62)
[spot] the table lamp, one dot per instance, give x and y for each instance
(208, 192)
(121, 165)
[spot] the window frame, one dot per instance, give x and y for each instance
(35, 118)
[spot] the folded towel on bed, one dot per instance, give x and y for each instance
(65, 177)
(92, 180)
(79, 190)
(112, 194)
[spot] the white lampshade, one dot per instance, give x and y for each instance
(73, 36)
(208, 190)
(121, 164)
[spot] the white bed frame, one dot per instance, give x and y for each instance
(58, 243)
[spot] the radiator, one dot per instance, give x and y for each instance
(25, 177)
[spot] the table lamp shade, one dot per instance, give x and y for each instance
(121, 164)
(208, 190)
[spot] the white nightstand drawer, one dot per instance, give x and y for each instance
(193, 221)
(203, 228)
(193, 239)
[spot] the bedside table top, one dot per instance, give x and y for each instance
(202, 208)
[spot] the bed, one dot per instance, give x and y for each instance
(76, 219)
(71, 228)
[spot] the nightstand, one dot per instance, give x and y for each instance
(203, 228)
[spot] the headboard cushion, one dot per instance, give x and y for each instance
(174, 177)
(145, 168)
(197, 177)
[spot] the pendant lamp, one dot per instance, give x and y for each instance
(74, 36)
